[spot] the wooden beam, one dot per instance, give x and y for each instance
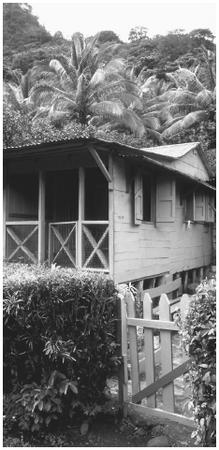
(41, 218)
(20, 244)
(81, 212)
(100, 164)
(163, 381)
(149, 350)
(166, 353)
(130, 303)
(111, 219)
(164, 288)
(123, 378)
(96, 246)
(158, 415)
(153, 324)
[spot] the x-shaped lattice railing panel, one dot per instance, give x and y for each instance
(95, 244)
(20, 243)
(53, 231)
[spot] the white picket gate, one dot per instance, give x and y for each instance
(165, 327)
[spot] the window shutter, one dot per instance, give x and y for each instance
(138, 200)
(165, 201)
(210, 208)
(190, 207)
(200, 206)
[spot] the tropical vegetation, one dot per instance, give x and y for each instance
(149, 90)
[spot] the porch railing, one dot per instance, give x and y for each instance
(63, 243)
(83, 244)
(95, 244)
(22, 241)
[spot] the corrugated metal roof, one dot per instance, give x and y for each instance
(151, 155)
(173, 151)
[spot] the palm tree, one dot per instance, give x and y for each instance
(90, 91)
(181, 99)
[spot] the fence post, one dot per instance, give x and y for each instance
(184, 306)
(123, 372)
(130, 302)
(166, 353)
(149, 348)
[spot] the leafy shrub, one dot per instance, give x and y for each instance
(199, 336)
(59, 342)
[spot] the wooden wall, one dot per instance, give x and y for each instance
(146, 250)
(190, 164)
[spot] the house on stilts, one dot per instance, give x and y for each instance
(140, 214)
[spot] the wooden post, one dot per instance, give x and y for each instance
(149, 348)
(179, 291)
(41, 218)
(185, 284)
(194, 275)
(111, 219)
(166, 353)
(5, 207)
(139, 287)
(201, 274)
(81, 209)
(123, 378)
(130, 302)
(184, 306)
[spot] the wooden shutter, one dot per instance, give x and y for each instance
(200, 203)
(190, 207)
(138, 199)
(210, 209)
(165, 200)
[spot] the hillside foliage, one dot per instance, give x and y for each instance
(149, 91)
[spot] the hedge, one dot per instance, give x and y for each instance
(59, 342)
(199, 337)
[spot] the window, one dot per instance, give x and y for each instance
(165, 199)
(199, 207)
(147, 199)
(144, 198)
(151, 199)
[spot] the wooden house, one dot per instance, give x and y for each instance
(137, 214)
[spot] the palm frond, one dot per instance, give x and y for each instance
(205, 98)
(97, 78)
(170, 122)
(187, 79)
(152, 123)
(89, 53)
(154, 134)
(61, 103)
(133, 122)
(188, 121)
(131, 101)
(77, 48)
(13, 95)
(115, 65)
(107, 109)
(41, 112)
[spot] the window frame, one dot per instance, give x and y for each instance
(139, 198)
(193, 198)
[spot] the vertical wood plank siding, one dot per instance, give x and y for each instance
(146, 249)
(41, 218)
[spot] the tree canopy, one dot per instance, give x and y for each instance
(149, 90)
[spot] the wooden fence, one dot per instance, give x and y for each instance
(163, 326)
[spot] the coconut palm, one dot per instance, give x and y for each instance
(90, 91)
(181, 99)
